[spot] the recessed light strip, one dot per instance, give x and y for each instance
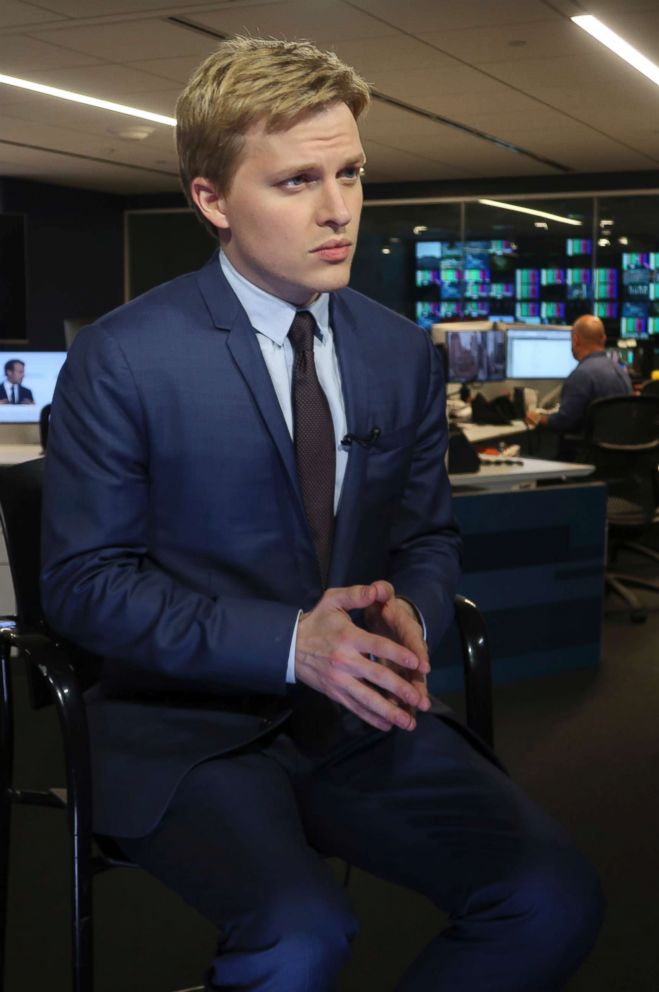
(617, 45)
(90, 101)
(528, 210)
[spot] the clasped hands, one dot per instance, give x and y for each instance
(379, 673)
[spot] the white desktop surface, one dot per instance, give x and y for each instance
(13, 454)
(531, 470)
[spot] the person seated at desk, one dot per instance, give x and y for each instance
(595, 377)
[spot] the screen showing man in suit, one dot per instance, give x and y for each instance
(266, 563)
(12, 390)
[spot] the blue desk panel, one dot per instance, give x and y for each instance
(534, 563)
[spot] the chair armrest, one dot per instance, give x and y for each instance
(477, 669)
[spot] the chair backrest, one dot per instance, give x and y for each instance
(20, 510)
(624, 421)
(622, 441)
(44, 423)
(21, 488)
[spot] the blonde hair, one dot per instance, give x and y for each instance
(248, 80)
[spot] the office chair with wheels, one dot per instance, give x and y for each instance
(622, 441)
(56, 674)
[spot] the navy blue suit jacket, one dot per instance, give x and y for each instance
(175, 540)
(23, 394)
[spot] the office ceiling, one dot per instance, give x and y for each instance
(465, 88)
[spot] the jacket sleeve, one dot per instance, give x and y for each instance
(426, 545)
(101, 586)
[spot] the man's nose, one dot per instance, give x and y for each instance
(334, 208)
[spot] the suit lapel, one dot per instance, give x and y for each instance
(355, 381)
(227, 313)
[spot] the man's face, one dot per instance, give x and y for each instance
(290, 219)
(15, 373)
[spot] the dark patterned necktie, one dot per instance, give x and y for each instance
(313, 436)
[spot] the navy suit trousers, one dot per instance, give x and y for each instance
(244, 838)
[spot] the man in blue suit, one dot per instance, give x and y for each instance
(262, 559)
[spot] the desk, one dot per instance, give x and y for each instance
(13, 454)
(534, 562)
(479, 433)
(508, 476)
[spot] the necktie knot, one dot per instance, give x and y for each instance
(302, 331)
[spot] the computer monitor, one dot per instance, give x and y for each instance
(34, 390)
(475, 356)
(538, 353)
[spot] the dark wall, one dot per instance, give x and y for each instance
(74, 254)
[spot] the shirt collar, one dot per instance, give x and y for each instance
(267, 313)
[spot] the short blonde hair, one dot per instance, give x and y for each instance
(249, 80)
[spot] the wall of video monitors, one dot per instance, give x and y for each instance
(487, 279)
(544, 260)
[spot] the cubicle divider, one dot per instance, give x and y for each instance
(534, 562)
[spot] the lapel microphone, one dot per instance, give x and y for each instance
(365, 442)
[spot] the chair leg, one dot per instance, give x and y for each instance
(82, 911)
(6, 773)
(637, 614)
(639, 549)
(5, 828)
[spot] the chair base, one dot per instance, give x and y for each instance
(619, 581)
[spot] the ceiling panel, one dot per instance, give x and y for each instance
(21, 53)
(15, 14)
(425, 16)
(326, 21)
(99, 8)
(120, 42)
(510, 42)
(516, 69)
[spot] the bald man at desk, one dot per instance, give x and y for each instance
(595, 377)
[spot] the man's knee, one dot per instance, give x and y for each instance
(557, 908)
(300, 939)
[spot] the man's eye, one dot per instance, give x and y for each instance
(294, 182)
(353, 173)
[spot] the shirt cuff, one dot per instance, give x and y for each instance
(290, 667)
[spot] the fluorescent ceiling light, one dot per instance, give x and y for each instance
(618, 45)
(529, 210)
(90, 101)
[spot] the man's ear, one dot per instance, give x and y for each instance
(209, 202)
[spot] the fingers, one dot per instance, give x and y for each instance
(352, 597)
(375, 709)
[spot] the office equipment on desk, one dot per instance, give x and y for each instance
(475, 356)
(480, 433)
(41, 371)
(539, 353)
(496, 473)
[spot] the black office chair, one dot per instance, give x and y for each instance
(621, 439)
(56, 674)
(650, 388)
(44, 424)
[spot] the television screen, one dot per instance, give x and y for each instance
(539, 353)
(28, 383)
(475, 356)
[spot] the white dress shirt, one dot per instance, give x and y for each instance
(271, 318)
